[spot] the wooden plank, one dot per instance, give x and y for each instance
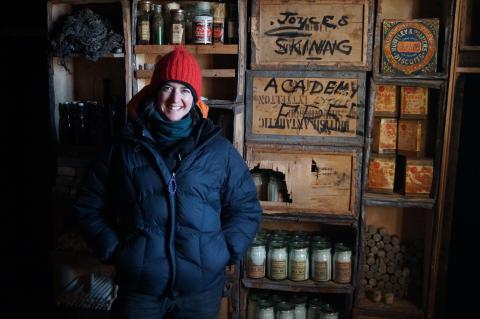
(323, 180)
(397, 200)
(311, 34)
(193, 48)
(207, 73)
(401, 308)
(305, 107)
(298, 286)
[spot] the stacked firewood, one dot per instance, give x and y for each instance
(391, 266)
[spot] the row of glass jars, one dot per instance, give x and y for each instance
(199, 23)
(262, 305)
(298, 257)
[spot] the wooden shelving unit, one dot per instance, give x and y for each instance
(298, 286)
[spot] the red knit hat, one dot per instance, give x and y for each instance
(178, 65)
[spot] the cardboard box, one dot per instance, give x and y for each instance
(386, 98)
(412, 137)
(384, 135)
(414, 102)
(381, 173)
(415, 176)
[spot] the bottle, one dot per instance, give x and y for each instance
(232, 25)
(202, 25)
(219, 22)
(177, 27)
(143, 23)
(157, 25)
(167, 18)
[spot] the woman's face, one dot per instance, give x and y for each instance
(174, 100)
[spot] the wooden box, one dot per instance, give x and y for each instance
(381, 173)
(322, 108)
(311, 34)
(413, 102)
(415, 176)
(384, 135)
(412, 136)
(386, 100)
(322, 180)
(409, 46)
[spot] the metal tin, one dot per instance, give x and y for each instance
(414, 102)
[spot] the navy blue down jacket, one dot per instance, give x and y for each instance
(168, 231)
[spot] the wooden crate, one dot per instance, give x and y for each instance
(311, 34)
(322, 108)
(323, 180)
(386, 100)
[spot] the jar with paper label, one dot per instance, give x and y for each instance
(321, 260)
(277, 260)
(256, 257)
(177, 27)
(298, 261)
(143, 22)
(285, 310)
(265, 309)
(299, 302)
(328, 311)
(342, 264)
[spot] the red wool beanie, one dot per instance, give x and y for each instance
(178, 65)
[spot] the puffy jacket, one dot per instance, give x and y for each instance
(168, 232)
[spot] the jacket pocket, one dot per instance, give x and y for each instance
(129, 260)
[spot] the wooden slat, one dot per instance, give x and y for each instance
(207, 73)
(307, 217)
(397, 200)
(298, 286)
(194, 49)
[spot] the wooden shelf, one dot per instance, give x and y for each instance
(298, 286)
(193, 48)
(397, 200)
(106, 56)
(207, 73)
(309, 217)
(414, 80)
(401, 307)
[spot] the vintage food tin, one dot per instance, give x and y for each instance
(381, 173)
(386, 97)
(413, 102)
(412, 136)
(410, 46)
(384, 135)
(416, 176)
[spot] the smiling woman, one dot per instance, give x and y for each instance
(171, 203)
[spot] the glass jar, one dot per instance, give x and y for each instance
(329, 312)
(219, 23)
(277, 263)
(157, 25)
(321, 261)
(300, 304)
(256, 256)
(342, 267)
(298, 261)
(260, 185)
(314, 308)
(265, 309)
(143, 22)
(167, 18)
(253, 299)
(273, 188)
(232, 24)
(202, 24)
(177, 27)
(285, 310)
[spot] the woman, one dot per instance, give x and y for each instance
(172, 203)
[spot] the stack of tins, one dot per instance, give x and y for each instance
(400, 134)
